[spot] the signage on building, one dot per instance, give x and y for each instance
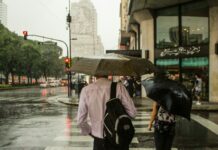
(182, 51)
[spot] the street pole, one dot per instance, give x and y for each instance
(69, 27)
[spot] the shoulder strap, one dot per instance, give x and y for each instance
(113, 90)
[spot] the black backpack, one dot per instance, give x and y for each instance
(118, 127)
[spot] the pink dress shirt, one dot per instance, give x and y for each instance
(92, 103)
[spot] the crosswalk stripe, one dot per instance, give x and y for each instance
(142, 130)
(90, 148)
(137, 130)
(141, 122)
(144, 122)
(142, 117)
(83, 139)
(142, 114)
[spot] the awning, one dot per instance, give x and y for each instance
(137, 5)
(133, 53)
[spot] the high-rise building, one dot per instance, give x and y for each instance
(3, 13)
(84, 29)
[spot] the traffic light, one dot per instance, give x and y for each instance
(25, 34)
(67, 62)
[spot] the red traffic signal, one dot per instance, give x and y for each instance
(25, 34)
(67, 62)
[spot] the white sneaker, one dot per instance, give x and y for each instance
(198, 103)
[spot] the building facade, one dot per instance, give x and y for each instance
(181, 37)
(3, 13)
(84, 29)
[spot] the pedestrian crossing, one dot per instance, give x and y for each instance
(71, 138)
(76, 141)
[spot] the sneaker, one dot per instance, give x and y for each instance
(198, 103)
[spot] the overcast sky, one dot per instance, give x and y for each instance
(48, 18)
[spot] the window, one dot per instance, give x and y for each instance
(189, 28)
(195, 23)
(167, 28)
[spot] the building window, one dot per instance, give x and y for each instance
(182, 25)
(195, 23)
(182, 42)
(167, 31)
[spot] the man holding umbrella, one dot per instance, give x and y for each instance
(92, 103)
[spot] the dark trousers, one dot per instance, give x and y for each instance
(163, 141)
(101, 144)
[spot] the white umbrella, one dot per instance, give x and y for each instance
(112, 64)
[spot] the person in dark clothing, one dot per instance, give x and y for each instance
(164, 127)
(130, 86)
(137, 85)
(164, 122)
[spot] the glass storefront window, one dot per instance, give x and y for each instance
(195, 62)
(184, 27)
(167, 62)
(195, 23)
(167, 31)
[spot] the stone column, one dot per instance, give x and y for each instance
(146, 21)
(213, 64)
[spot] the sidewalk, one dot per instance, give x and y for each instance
(64, 99)
(145, 102)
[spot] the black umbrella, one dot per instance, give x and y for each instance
(171, 95)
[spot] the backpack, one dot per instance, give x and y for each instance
(118, 127)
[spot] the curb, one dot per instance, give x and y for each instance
(148, 105)
(17, 88)
(205, 108)
(69, 103)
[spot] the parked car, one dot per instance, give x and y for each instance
(53, 84)
(44, 85)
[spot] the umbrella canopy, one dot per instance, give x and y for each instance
(112, 65)
(171, 95)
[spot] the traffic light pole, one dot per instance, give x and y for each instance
(69, 72)
(44, 37)
(69, 27)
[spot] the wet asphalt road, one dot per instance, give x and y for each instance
(33, 119)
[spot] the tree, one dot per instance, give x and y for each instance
(29, 58)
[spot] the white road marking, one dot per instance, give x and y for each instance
(144, 122)
(81, 138)
(142, 130)
(137, 130)
(90, 148)
(206, 123)
(143, 117)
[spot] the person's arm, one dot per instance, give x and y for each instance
(126, 100)
(82, 114)
(153, 115)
